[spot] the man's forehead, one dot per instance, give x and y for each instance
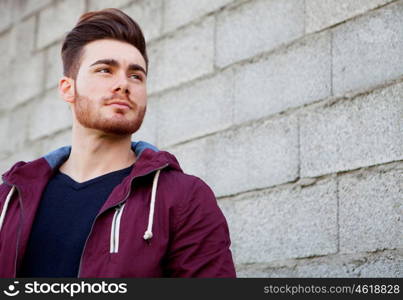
(122, 52)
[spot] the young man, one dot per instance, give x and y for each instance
(106, 206)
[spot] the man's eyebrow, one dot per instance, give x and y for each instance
(110, 62)
(115, 63)
(136, 67)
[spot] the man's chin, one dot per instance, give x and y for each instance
(116, 124)
(116, 131)
(115, 128)
(112, 127)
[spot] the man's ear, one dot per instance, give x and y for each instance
(66, 89)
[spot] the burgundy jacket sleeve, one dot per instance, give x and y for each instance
(201, 240)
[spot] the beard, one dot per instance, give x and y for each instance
(89, 116)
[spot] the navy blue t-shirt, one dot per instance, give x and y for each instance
(63, 222)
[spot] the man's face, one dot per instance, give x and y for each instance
(110, 87)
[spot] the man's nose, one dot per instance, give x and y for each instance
(122, 85)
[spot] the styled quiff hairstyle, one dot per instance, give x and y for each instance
(109, 23)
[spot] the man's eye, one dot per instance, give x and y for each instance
(135, 76)
(103, 70)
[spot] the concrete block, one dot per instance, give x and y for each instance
(262, 271)
(324, 13)
(28, 7)
(44, 123)
(51, 28)
(7, 42)
(186, 55)
(368, 51)
(192, 157)
(5, 134)
(149, 128)
(18, 126)
(27, 153)
(371, 210)
(321, 269)
(3, 154)
(101, 4)
(300, 75)
(180, 12)
(24, 70)
(7, 93)
(259, 155)
(27, 78)
(384, 264)
(352, 133)
(155, 67)
(148, 14)
(4, 166)
(381, 264)
(7, 14)
(24, 38)
(257, 26)
(389, 265)
(54, 66)
(60, 139)
(283, 223)
(195, 110)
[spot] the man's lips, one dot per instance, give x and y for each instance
(120, 104)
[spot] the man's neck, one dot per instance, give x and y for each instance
(96, 155)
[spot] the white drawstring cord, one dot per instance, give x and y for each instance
(4, 210)
(149, 234)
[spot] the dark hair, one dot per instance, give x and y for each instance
(109, 23)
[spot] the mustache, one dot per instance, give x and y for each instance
(117, 98)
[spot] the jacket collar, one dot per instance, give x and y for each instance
(58, 156)
(149, 159)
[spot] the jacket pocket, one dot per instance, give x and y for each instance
(115, 229)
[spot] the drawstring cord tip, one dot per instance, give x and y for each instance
(148, 235)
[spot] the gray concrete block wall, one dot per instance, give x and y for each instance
(371, 45)
(290, 110)
(325, 13)
(352, 133)
(180, 12)
(253, 156)
(186, 55)
(288, 78)
(203, 106)
(283, 223)
(66, 18)
(369, 223)
(149, 15)
(242, 31)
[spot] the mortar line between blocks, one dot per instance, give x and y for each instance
(338, 213)
(299, 146)
(331, 63)
(304, 17)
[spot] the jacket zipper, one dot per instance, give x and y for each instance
(115, 229)
(19, 230)
(19, 226)
(121, 202)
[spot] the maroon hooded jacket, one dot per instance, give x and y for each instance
(158, 222)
